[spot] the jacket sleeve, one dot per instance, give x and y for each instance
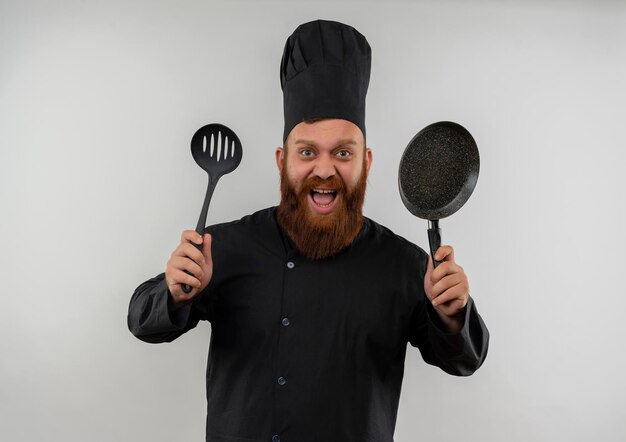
(149, 318)
(458, 354)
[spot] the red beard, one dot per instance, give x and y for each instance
(321, 236)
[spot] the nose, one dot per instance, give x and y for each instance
(324, 167)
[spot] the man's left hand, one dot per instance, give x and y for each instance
(447, 288)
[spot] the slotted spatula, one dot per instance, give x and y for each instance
(216, 149)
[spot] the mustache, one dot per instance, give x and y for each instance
(333, 182)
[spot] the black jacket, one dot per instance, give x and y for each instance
(303, 350)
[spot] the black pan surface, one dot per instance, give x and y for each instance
(438, 170)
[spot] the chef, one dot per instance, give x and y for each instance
(312, 304)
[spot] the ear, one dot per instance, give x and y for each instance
(368, 160)
(280, 158)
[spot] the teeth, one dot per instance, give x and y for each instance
(323, 191)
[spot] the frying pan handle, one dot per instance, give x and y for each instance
(434, 239)
(187, 288)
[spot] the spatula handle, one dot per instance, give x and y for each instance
(202, 219)
(205, 206)
(434, 239)
(187, 288)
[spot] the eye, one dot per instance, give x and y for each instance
(306, 153)
(344, 154)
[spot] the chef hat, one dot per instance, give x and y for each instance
(324, 73)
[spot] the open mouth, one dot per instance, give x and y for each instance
(323, 200)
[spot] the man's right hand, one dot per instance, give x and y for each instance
(198, 263)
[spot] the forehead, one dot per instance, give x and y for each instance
(326, 133)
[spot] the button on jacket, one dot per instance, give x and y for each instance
(304, 350)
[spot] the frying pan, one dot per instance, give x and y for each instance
(438, 173)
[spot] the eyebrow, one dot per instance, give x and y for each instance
(313, 143)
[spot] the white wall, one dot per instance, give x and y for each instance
(98, 102)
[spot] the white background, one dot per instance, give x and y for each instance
(98, 103)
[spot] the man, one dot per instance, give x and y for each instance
(311, 304)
